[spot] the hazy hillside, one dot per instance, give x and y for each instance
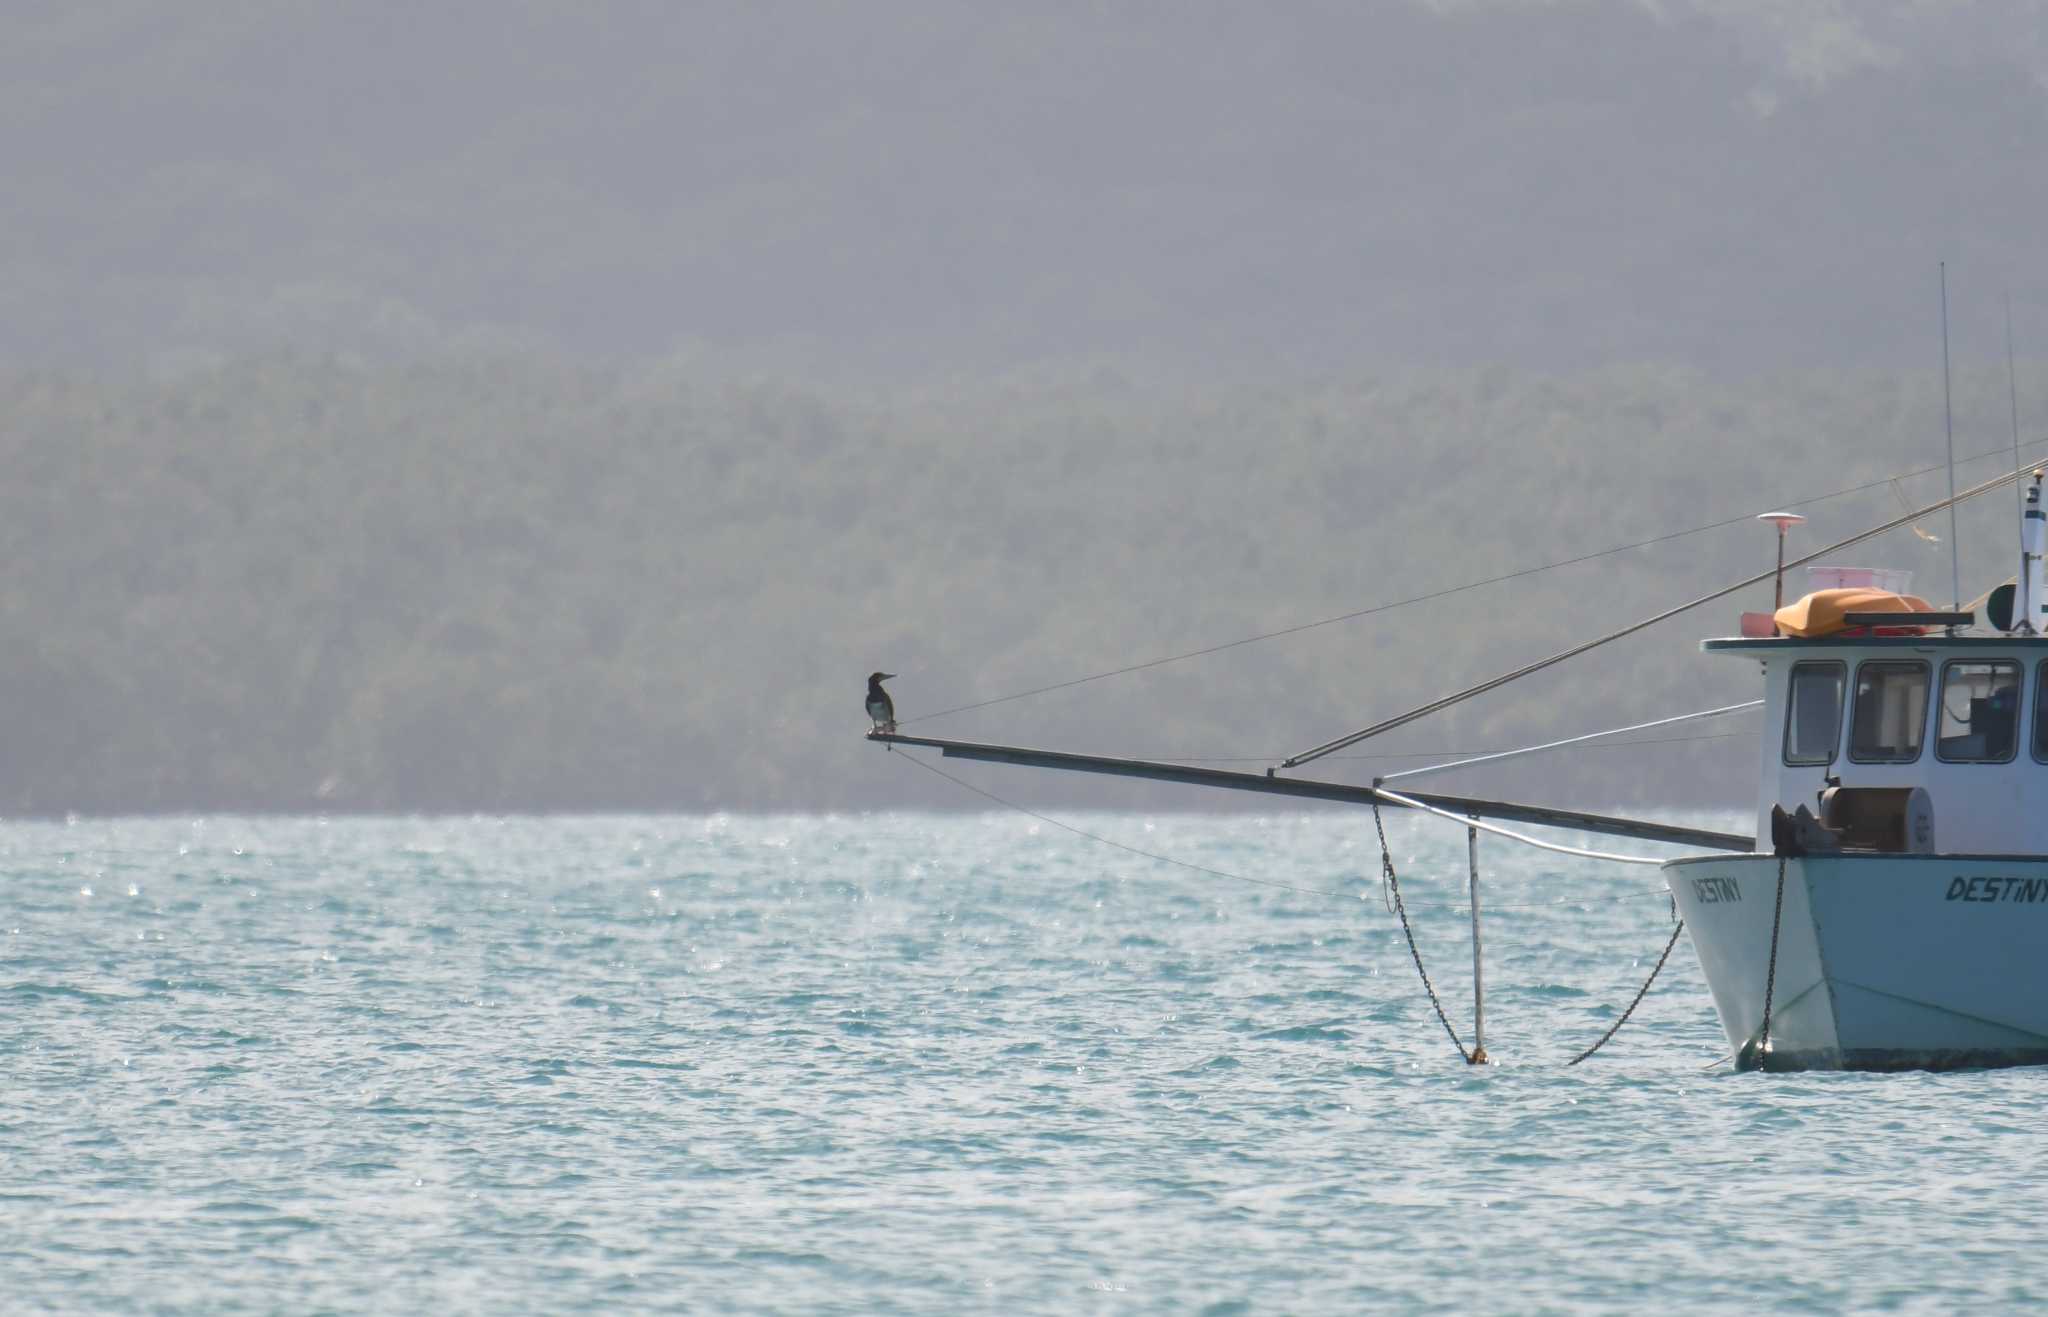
(502, 584)
(522, 403)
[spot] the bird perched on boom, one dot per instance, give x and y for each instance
(880, 707)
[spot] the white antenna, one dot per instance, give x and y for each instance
(2012, 390)
(2026, 612)
(1955, 549)
(1784, 521)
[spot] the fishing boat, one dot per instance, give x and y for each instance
(1890, 908)
(1897, 921)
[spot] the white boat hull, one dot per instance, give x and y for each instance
(1884, 962)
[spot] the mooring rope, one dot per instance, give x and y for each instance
(1394, 886)
(1498, 831)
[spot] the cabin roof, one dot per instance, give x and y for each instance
(1794, 644)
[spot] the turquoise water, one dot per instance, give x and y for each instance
(924, 1064)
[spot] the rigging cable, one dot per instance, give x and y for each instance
(1571, 742)
(1433, 594)
(1576, 851)
(1438, 754)
(1527, 669)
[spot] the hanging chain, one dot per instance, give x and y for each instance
(1390, 891)
(1641, 993)
(1763, 1045)
(1394, 886)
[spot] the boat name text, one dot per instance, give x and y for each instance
(1714, 891)
(2024, 891)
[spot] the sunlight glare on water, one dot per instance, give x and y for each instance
(923, 1063)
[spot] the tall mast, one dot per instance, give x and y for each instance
(2026, 611)
(1955, 550)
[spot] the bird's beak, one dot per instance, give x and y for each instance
(888, 676)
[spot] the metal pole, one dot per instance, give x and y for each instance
(1478, 974)
(1784, 521)
(1955, 549)
(1778, 590)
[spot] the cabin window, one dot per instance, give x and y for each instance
(1813, 722)
(2041, 714)
(1980, 712)
(1891, 712)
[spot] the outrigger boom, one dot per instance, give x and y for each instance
(1467, 806)
(1847, 941)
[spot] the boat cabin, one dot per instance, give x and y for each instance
(1939, 741)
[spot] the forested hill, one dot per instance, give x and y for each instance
(293, 583)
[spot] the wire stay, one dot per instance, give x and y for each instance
(1498, 831)
(1498, 755)
(1443, 593)
(1527, 669)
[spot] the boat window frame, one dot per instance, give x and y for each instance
(1841, 669)
(2040, 742)
(1927, 709)
(1940, 701)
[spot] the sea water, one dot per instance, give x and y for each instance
(910, 1063)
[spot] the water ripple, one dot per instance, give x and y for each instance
(918, 1064)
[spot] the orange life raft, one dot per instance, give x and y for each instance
(1825, 613)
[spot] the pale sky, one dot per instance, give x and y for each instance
(908, 183)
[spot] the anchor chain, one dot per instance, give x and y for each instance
(1394, 886)
(1641, 993)
(1771, 974)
